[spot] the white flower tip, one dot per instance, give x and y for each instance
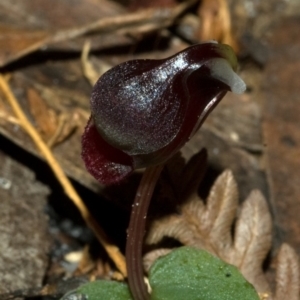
(221, 70)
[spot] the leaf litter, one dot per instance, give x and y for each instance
(245, 238)
(238, 234)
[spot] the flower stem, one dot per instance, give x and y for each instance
(136, 232)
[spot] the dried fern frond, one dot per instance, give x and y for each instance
(209, 226)
(288, 274)
(253, 238)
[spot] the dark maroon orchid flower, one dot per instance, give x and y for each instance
(144, 111)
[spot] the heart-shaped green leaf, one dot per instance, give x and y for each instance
(100, 289)
(185, 273)
(189, 273)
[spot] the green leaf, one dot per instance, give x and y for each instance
(189, 273)
(101, 289)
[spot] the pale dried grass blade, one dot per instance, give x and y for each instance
(287, 274)
(252, 241)
(89, 71)
(221, 208)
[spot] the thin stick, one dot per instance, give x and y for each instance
(113, 251)
(136, 232)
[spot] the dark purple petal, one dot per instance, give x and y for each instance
(106, 163)
(148, 109)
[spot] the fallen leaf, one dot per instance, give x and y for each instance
(136, 4)
(45, 118)
(18, 43)
(67, 124)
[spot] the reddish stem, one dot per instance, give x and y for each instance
(136, 231)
